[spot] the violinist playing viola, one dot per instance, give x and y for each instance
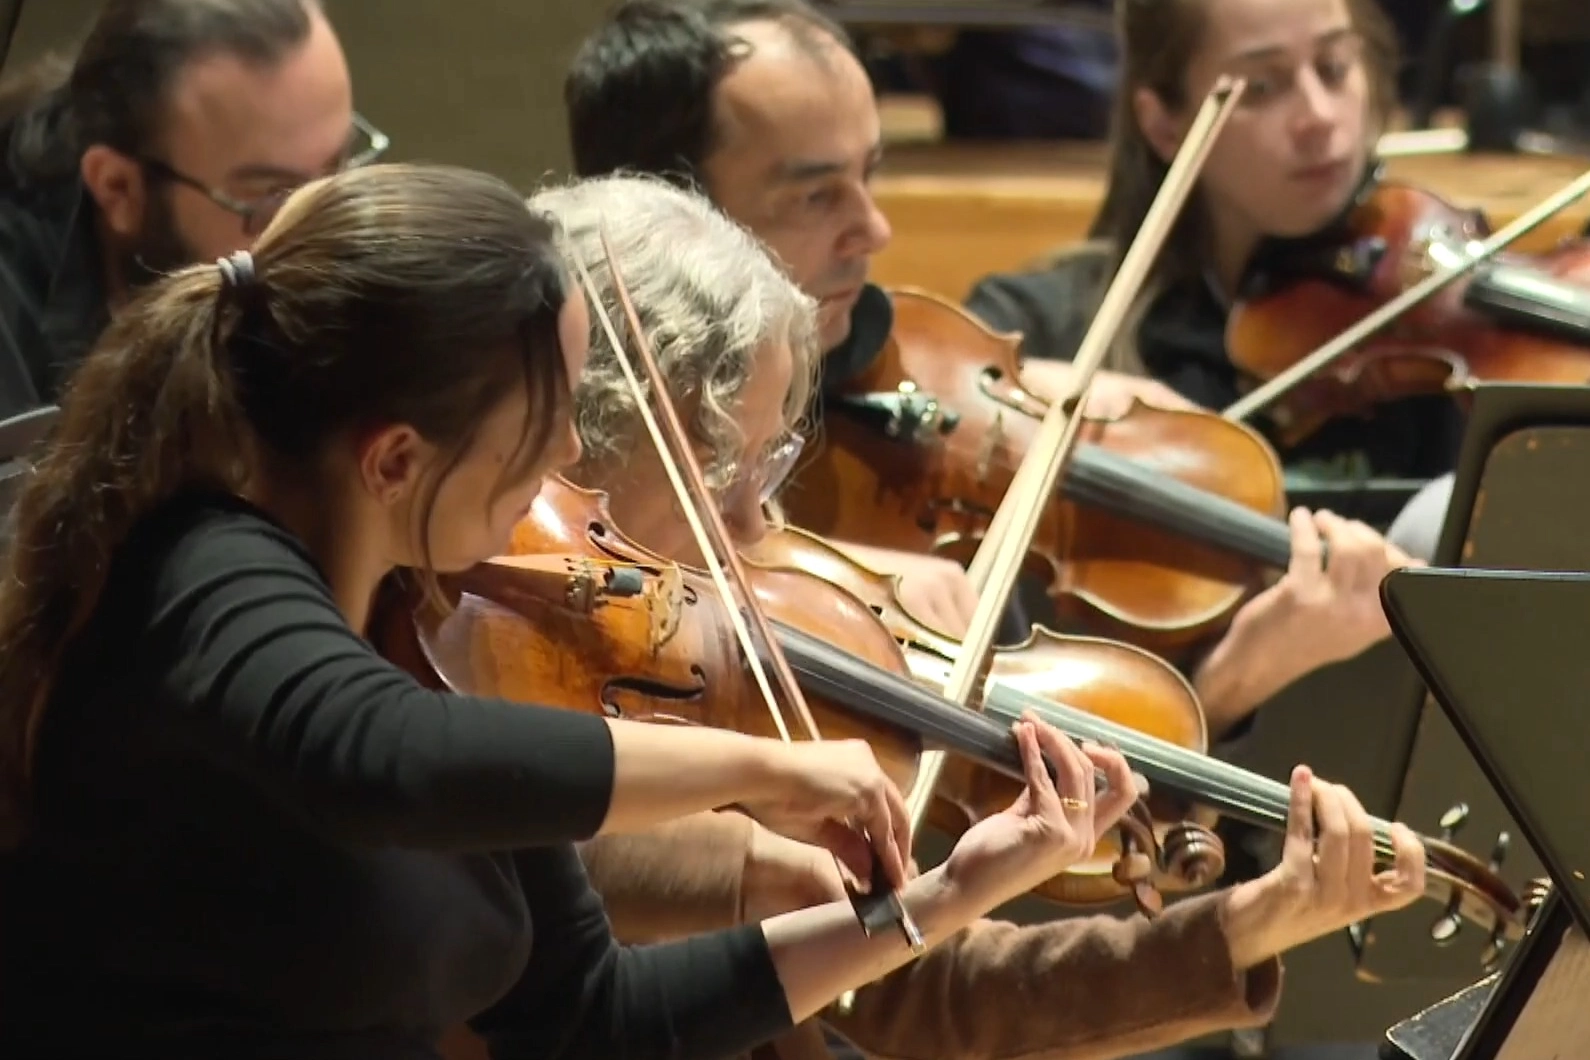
(764, 106)
(233, 829)
(736, 343)
(1278, 182)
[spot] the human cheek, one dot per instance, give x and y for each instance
(209, 231)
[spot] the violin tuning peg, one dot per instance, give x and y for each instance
(1358, 938)
(1499, 850)
(1493, 950)
(1445, 928)
(1453, 820)
(1449, 924)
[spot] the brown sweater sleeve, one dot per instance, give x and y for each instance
(1078, 989)
(1081, 989)
(681, 878)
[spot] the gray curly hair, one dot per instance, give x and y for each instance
(710, 297)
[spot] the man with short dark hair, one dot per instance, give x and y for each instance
(172, 137)
(762, 105)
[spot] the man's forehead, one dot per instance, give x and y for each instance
(295, 115)
(796, 97)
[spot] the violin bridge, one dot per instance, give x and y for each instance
(665, 606)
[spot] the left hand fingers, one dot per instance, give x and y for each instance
(1357, 559)
(1333, 847)
(1360, 841)
(1073, 774)
(1123, 793)
(1404, 881)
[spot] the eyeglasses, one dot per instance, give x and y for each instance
(366, 144)
(776, 466)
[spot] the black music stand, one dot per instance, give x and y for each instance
(1521, 718)
(1522, 443)
(1368, 722)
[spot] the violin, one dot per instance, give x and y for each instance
(594, 631)
(581, 617)
(1164, 523)
(1514, 317)
(1113, 680)
(1121, 696)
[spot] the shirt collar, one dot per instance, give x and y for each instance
(871, 321)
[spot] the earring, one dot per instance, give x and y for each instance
(393, 495)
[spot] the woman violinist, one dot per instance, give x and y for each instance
(735, 340)
(235, 830)
(1279, 180)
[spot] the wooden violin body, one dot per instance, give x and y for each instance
(919, 450)
(523, 629)
(1106, 678)
(582, 632)
(1515, 317)
(1114, 693)
(585, 619)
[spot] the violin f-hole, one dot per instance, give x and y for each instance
(631, 687)
(993, 384)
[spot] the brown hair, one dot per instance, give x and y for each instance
(1159, 40)
(392, 294)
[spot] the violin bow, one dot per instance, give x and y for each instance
(1261, 397)
(881, 905)
(994, 569)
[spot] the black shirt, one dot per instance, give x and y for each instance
(255, 838)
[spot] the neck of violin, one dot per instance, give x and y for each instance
(1124, 487)
(1228, 789)
(1532, 300)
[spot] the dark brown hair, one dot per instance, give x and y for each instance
(639, 94)
(391, 294)
(1159, 40)
(116, 90)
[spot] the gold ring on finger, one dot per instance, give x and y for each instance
(1067, 802)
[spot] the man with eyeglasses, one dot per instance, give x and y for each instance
(172, 138)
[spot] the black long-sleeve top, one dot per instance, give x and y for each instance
(255, 838)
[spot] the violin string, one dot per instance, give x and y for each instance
(1133, 490)
(1262, 800)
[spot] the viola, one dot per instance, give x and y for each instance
(1107, 678)
(1116, 694)
(1164, 523)
(1514, 318)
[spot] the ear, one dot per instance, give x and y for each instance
(117, 184)
(1160, 128)
(391, 461)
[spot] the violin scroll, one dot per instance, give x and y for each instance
(1192, 855)
(1473, 893)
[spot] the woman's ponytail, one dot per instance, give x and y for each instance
(148, 413)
